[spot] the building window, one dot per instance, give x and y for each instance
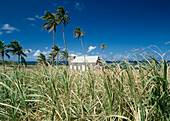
(83, 67)
(75, 68)
(70, 66)
(79, 67)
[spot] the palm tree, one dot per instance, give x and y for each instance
(42, 59)
(17, 50)
(102, 47)
(79, 34)
(63, 17)
(54, 53)
(51, 20)
(64, 55)
(3, 52)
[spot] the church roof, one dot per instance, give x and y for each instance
(89, 59)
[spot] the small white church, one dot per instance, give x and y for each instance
(78, 63)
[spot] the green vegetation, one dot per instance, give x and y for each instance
(3, 52)
(126, 91)
(79, 34)
(16, 49)
(56, 93)
(54, 19)
(42, 59)
(54, 53)
(64, 55)
(63, 17)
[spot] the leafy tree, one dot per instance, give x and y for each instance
(54, 53)
(63, 17)
(79, 34)
(3, 52)
(42, 59)
(16, 49)
(64, 55)
(102, 47)
(51, 20)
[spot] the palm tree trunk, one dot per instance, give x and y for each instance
(84, 54)
(65, 45)
(83, 49)
(18, 59)
(103, 55)
(58, 58)
(3, 62)
(19, 62)
(53, 46)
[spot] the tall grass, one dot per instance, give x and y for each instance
(125, 92)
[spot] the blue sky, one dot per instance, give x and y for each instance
(123, 25)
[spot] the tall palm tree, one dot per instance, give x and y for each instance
(102, 47)
(64, 55)
(54, 53)
(79, 34)
(51, 20)
(3, 52)
(63, 17)
(42, 59)
(16, 49)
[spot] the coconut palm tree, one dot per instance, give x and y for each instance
(79, 34)
(102, 47)
(64, 55)
(16, 49)
(51, 20)
(42, 59)
(63, 17)
(3, 52)
(54, 53)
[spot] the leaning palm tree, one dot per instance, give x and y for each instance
(54, 53)
(3, 52)
(102, 47)
(63, 17)
(51, 20)
(42, 59)
(16, 49)
(79, 34)
(64, 55)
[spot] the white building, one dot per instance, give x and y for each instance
(78, 62)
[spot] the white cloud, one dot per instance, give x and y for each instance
(37, 53)
(134, 50)
(111, 53)
(8, 32)
(91, 48)
(37, 16)
(167, 43)
(1, 33)
(46, 48)
(78, 53)
(117, 57)
(9, 28)
(32, 24)
(63, 49)
(92, 53)
(46, 52)
(31, 19)
(79, 6)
